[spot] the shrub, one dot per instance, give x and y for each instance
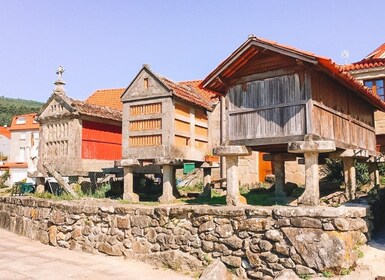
(335, 172)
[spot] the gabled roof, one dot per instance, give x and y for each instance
(83, 108)
(91, 110)
(5, 132)
(377, 53)
(373, 60)
(24, 122)
(214, 81)
(190, 91)
(107, 98)
(187, 90)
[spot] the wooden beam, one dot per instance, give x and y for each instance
(266, 141)
(268, 107)
(265, 75)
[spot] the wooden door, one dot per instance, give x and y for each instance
(264, 167)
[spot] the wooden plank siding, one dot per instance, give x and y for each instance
(101, 141)
(340, 115)
(269, 108)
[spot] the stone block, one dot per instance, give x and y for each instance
(232, 261)
(123, 222)
(140, 221)
(305, 222)
(324, 250)
(215, 271)
(255, 224)
(231, 151)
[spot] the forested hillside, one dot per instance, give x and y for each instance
(11, 106)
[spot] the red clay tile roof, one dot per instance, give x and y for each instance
(364, 64)
(29, 124)
(209, 95)
(240, 57)
(189, 91)
(107, 98)
(5, 132)
(375, 59)
(9, 165)
(377, 53)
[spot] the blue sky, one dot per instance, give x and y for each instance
(103, 43)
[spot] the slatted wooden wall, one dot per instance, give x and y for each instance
(273, 107)
(148, 122)
(341, 115)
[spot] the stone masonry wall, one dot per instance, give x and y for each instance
(255, 242)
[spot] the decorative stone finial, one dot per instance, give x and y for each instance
(60, 72)
(59, 84)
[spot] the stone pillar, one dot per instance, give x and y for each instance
(350, 178)
(374, 175)
(40, 187)
(278, 161)
(128, 192)
(347, 156)
(279, 174)
(206, 181)
(167, 195)
(311, 149)
(232, 179)
(231, 154)
(311, 193)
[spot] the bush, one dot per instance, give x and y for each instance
(335, 172)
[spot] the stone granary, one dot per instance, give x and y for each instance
(165, 124)
(78, 137)
(287, 102)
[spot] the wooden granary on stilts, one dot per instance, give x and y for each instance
(289, 103)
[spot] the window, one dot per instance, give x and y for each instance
(21, 157)
(377, 87)
(20, 120)
(145, 83)
(23, 136)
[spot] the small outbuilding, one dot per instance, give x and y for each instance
(165, 124)
(77, 137)
(289, 103)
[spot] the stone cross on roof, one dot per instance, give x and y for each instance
(60, 72)
(59, 84)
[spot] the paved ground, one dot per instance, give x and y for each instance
(22, 258)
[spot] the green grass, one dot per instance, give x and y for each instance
(327, 274)
(260, 197)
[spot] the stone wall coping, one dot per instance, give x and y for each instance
(93, 206)
(311, 146)
(232, 151)
(346, 211)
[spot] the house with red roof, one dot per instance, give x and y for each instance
(291, 103)
(24, 140)
(370, 71)
(5, 143)
(165, 125)
(79, 137)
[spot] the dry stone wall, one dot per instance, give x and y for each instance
(255, 242)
